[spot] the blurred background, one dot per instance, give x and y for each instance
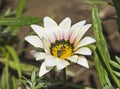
(77, 10)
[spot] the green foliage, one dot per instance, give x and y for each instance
(102, 57)
(19, 21)
(14, 83)
(95, 2)
(14, 55)
(34, 82)
(1, 85)
(21, 7)
(118, 60)
(6, 36)
(9, 29)
(5, 73)
(10, 22)
(103, 76)
(116, 65)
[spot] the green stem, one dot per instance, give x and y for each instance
(64, 78)
(113, 76)
(6, 57)
(101, 44)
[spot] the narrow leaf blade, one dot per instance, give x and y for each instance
(19, 21)
(115, 64)
(14, 55)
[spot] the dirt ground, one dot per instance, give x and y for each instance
(77, 10)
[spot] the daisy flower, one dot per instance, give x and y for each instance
(61, 43)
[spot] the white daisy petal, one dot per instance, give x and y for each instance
(73, 58)
(61, 64)
(50, 35)
(50, 61)
(85, 41)
(82, 31)
(38, 30)
(83, 51)
(78, 25)
(73, 35)
(52, 29)
(49, 23)
(38, 55)
(43, 70)
(34, 40)
(46, 45)
(83, 61)
(65, 28)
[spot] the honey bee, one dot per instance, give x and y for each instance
(62, 48)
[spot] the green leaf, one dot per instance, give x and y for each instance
(107, 87)
(117, 73)
(33, 76)
(100, 40)
(7, 12)
(115, 64)
(14, 55)
(19, 11)
(21, 7)
(34, 82)
(108, 83)
(26, 81)
(95, 2)
(1, 85)
(14, 83)
(118, 59)
(19, 21)
(7, 71)
(5, 74)
(89, 88)
(102, 74)
(25, 67)
(102, 49)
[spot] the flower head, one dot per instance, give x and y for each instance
(61, 44)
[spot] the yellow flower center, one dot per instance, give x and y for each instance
(61, 49)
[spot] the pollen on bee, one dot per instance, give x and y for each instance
(61, 49)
